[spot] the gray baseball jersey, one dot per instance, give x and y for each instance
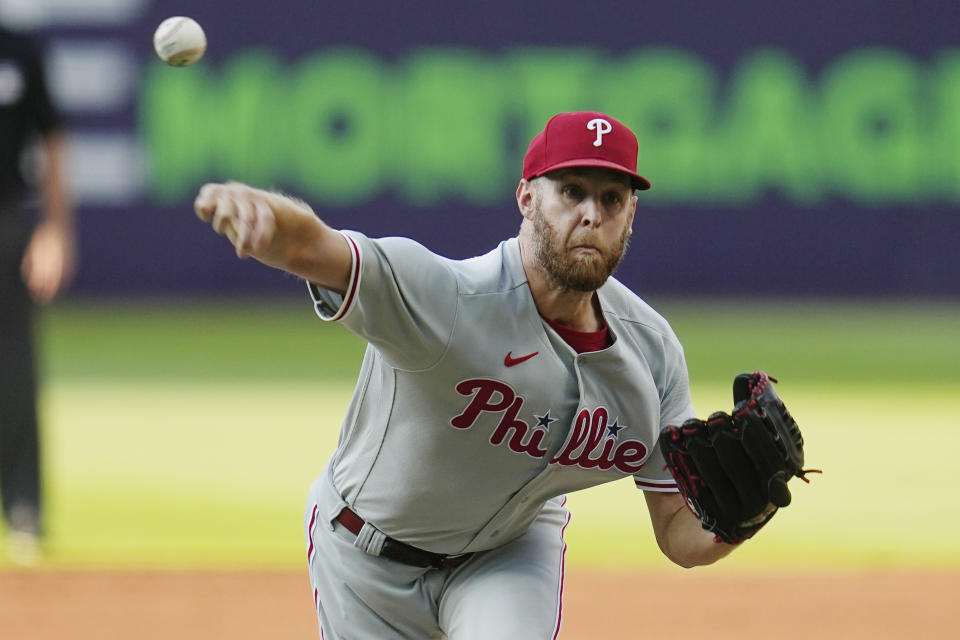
(470, 412)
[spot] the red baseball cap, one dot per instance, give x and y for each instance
(584, 139)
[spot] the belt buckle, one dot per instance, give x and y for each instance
(452, 561)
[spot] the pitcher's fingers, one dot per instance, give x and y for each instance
(205, 204)
(243, 224)
(264, 225)
(230, 232)
(226, 212)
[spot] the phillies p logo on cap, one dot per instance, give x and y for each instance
(601, 126)
(584, 139)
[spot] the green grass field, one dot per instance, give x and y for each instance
(187, 433)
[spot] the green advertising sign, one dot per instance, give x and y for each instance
(342, 127)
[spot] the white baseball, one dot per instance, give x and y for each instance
(179, 41)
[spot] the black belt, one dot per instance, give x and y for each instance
(400, 551)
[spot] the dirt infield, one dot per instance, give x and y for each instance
(47, 604)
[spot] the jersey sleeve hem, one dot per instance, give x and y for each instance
(660, 486)
(332, 306)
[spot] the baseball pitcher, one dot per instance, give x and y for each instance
(493, 386)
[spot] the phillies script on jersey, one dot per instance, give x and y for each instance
(592, 443)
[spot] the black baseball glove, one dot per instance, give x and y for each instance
(733, 469)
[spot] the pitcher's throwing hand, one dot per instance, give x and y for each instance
(241, 213)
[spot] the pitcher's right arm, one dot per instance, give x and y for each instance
(277, 230)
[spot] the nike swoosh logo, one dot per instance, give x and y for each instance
(510, 361)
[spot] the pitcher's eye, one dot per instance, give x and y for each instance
(612, 198)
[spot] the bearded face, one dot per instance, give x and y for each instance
(569, 266)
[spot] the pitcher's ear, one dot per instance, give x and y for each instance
(526, 196)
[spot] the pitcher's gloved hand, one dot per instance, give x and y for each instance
(733, 469)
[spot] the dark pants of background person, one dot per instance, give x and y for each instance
(19, 438)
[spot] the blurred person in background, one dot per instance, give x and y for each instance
(37, 260)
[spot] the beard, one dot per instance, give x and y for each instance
(583, 272)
